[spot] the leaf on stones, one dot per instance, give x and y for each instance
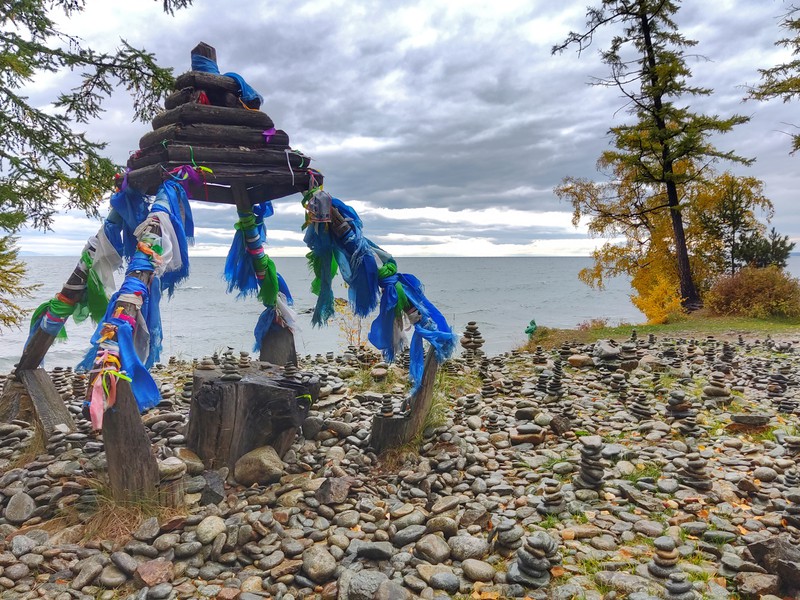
(702, 513)
(743, 530)
(558, 571)
(720, 581)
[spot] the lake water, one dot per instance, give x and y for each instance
(501, 294)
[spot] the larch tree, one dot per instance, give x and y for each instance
(647, 62)
(783, 80)
(46, 163)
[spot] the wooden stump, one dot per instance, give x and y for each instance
(49, 409)
(132, 466)
(277, 347)
(15, 403)
(227, 419)
(396, 431)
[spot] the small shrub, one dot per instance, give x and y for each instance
(756, 293)
(660, 303)
(593, 324)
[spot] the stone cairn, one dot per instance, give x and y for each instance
(230, 367)
(552, 499)
(493, 422)
(665, 559)
(716, 393)
(387, 406)
(555, 388)
(640, 407)
(694, 474)
(207, 364)
(508, 538)
(244, 360)
(627, 354)
(188, 389)
(472, 405)
(591, 467)
(539, 357)
(472, 341)
(791, 444)
(541, 383)
(534, 561)
(679, 587)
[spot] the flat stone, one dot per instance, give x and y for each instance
(259, 466)
(318, 564)
(477, 570)
(153, 572)
(20, 508)
(432, 548)
(112, 577)
(209, 528)
(463, 547)
(148, 530)
(364, 585)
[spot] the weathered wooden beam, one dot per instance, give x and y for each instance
(207, 50)
(217, 115)
(206, 81)
(206, 134)
(184, 155)
(277, 345)
(393, 432)
(189, 94)
(39, 343)
(260, 187)
(49, 408)
(132, 466)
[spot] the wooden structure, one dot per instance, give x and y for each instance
(227, 419)
(395, 431)
(245, 161)
(223, 150)
(238, 144)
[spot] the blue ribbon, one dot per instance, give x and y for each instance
(246, 93)
(320, 241)
(357, 263)
(265, 322)
(131, 208)
(432, 325)
(171, 199)
(143, 386)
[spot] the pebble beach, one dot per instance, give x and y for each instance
(641, 468)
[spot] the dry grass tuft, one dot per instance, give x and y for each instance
(115, 520)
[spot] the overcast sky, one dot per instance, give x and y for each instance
(445, 123)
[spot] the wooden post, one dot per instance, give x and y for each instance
(49, 409)
(34, 352)
(277, 345)
(396, 431)
(132, 467)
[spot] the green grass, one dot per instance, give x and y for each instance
(643, 471)
(703, 576)
(581, 518)
(767, 435)
(696, 324)
(549, 522)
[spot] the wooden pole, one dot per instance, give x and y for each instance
(277, 345)
(395, 431)
(132, 467)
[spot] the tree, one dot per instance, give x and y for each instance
(45, 163)
(759, 251)
(725, 208)
(783, 80)
(632, 216)
(647, 64)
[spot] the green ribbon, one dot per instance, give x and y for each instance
(94, 301)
